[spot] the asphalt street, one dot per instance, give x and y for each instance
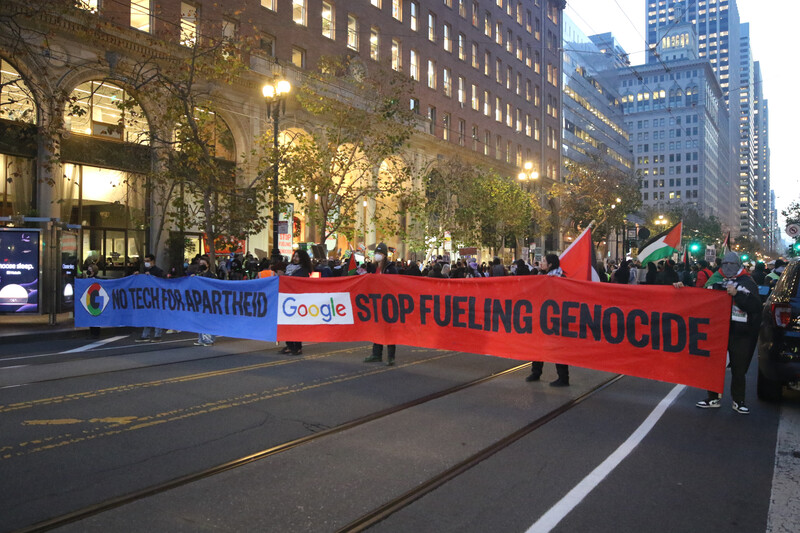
(82, 428)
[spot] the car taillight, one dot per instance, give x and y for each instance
(782, 313)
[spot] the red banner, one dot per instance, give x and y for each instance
(655, 332)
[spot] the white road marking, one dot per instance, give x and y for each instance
(94, 344)
(98, 350)
(556, 514)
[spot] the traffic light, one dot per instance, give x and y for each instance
(694, 247)
(745, 257)
(797, 247)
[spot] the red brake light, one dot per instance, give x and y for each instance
(782, 313)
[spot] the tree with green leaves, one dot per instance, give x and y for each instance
(504, 211)
(355, 152)
(474, 205)
(596, 190)
(746, 246)
(195, 181)
(792, 213)
(697, 227)
(185, 79)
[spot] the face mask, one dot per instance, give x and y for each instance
(185, 265)
(148, 264)
(202, 268)
(730, 270)
(379, 258)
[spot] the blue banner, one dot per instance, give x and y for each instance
(242, 309)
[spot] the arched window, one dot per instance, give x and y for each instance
(16, 100)
(102, 109)
(16, 171)
(213, 131)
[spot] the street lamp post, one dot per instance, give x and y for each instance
(275, 95)
(527, 176)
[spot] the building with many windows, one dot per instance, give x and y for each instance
(716, 24)
(726, 44)
(678, 126)
(487, 87)
(765, 217)
(593, 118)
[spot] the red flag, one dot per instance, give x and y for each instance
(579, 260)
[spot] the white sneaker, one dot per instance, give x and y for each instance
(708, 403)
(741, 408)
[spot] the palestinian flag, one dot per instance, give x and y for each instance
(726, 244)
(687, 258)
(662, 245)
(716, 277)
(579, 260)
(352, 267)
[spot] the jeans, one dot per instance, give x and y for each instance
(206, 338)
(156, 332)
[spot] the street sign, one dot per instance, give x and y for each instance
(793, 230)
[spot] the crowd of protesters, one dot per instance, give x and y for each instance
(728, 273)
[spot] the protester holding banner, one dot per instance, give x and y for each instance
(382, 266)
(743, 333)
(552, 268)
(204, 339)
(299, 267)
(91, 273)
(151, 269)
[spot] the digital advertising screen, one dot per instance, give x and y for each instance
(69, 261)
(19, 270)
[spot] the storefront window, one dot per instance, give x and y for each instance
(16, 100)
(109, 205)
(101, 109)
(16, 185)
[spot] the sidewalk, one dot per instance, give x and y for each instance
(24, 328)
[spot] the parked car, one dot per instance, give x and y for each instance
(779, 338)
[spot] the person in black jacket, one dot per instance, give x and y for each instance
(668, 276)
(743, 336)
(151, 269)
(552, 265)
(300, 266)
(381, 265)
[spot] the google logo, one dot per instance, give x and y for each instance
(95, 299)
(315, 308)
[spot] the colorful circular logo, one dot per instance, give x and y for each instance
(95, 299)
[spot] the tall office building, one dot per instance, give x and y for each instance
(678, 126)
(748, 198)
(726, 43)
(716, 23)
(763, 203)
(594, 122)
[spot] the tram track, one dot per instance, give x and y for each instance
(394, 505)
(112, 503)
(277, 362)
